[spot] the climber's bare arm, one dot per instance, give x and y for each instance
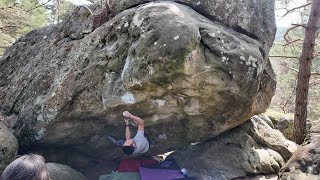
(127, 131)
(136, 119)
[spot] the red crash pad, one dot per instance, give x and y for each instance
(132, 165)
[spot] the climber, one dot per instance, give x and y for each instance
(138, 144)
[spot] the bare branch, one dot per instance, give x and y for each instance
(287, 101)
(315, 73)
(317, 54)
(8, 26)
(293, 9)
(38, 6)
(315, 82)
(291, 68)
(296, 70)
(8, 7)
(291, 57)
(291, 42)
(286, 35)
(300, 25)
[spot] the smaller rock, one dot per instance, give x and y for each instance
(285, 125)
(8, 147)
(63, 172)
(305, 162)
(244, 152)
(266, 119)
(261, 177)
(282, 121)
(274, 139)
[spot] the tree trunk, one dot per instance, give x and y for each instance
(300, 116)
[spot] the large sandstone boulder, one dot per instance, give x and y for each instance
(253, 18)
(242, 152)
(8, 147)
(305, 162)
(62, 172)
(189, 77)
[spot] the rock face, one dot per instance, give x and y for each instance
(267, 120)
(189, 77)
(305, 162)
(253, 18)
(63, 172)
(285, 122)
(241, 152)
(272, 138)
(286, 125)
(8, 147)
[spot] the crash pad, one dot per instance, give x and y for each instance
(159, 174)
(121, 176)
(132, 165)
(169, 163)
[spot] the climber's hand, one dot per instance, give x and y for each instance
(126, 114)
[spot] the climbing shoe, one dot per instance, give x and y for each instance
(112, 139)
